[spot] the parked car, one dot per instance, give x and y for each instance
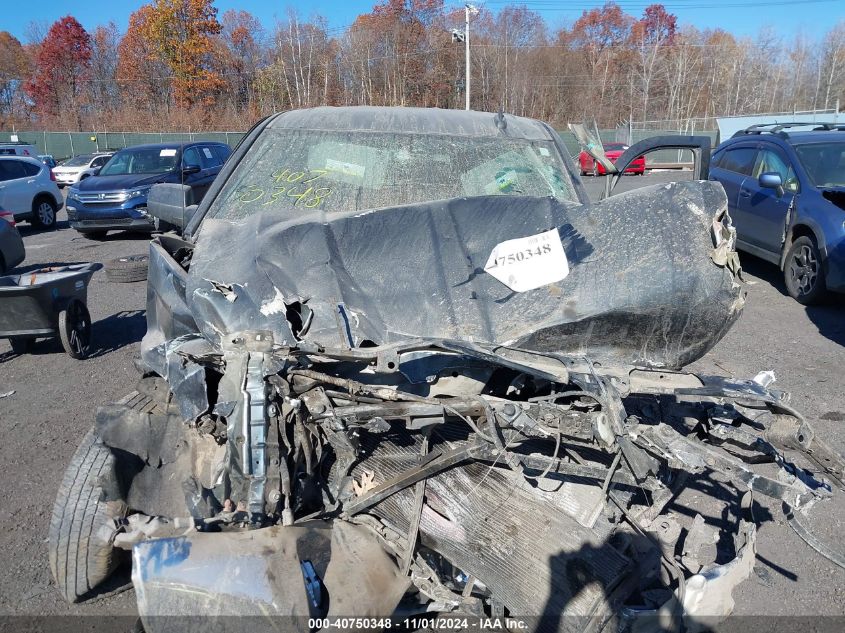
(48, 160)
(116, 198)
(786, 193)
(18, 149)
(28, 189)
(80, 167)
(613, 151)
(12, 250)
(413, 341)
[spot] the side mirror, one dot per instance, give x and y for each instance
(771, 180)
(97, 171)
(171, 204)
(191, 169)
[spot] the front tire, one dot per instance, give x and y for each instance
(83, 521)
(803, 272)
(44, 213)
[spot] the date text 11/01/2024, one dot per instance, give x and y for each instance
(420, 622)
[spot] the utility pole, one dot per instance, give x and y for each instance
(468, 9)
(463, 36)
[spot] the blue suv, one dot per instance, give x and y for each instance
(116, 197)
(786, 195)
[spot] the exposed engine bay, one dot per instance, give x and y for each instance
(449, 479)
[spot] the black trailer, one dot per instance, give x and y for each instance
(48, 302)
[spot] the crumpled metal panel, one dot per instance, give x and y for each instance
(642, 286)
(535, 562)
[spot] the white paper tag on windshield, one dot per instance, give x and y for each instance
(530, 262)
(167, 152)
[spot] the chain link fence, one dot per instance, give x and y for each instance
(62, 145)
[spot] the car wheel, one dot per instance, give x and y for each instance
(127, 269)
(803, 272)
(95, 235)
(44, 213)
(83, 522)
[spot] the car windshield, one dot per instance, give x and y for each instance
(352, 171)
(146, 160)
(824, 163)
(78, 161)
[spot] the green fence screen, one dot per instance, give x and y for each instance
(63, 145)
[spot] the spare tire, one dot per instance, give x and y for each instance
(83, 522)
(127, 269)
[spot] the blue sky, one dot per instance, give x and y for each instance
(741, 17)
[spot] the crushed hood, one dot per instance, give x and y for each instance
(644, 282)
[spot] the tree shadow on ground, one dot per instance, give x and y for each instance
(117, 331)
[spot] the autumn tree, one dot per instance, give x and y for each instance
(240, 53)
(651, 37)
(600, 36)
(103, 90)
(509, 44)
(61, 68)
(142, 77)
(832, 68)
(181, 33)
(390, 52)
(14, 64)
(178, 68)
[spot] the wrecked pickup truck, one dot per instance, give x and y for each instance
(399, 368)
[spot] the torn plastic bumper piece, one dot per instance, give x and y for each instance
(707, 597)
(253, 581)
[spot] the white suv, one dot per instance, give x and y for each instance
(78, 168)
(28, 189)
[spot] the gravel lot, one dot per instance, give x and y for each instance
(55, 398)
